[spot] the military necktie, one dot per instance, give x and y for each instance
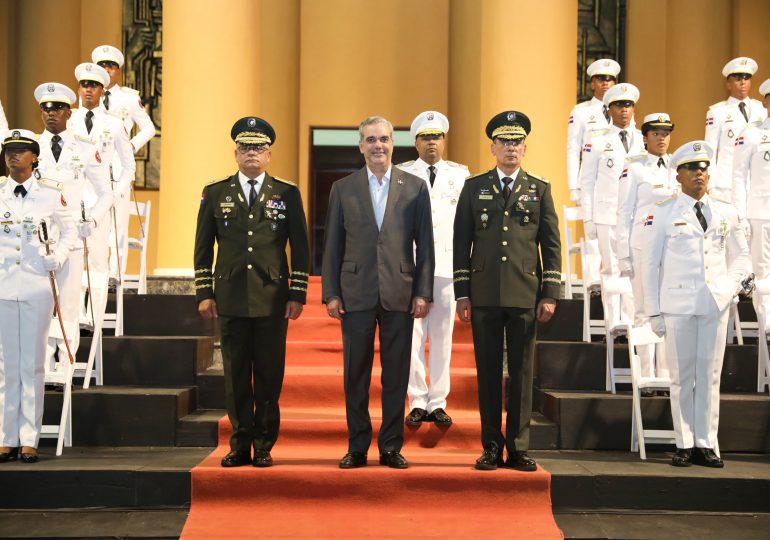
(107, 100)
(89, 121)
(55, 148)
(742, 107)
(252, 193)
(661, 163)
(700, 216)
(432, 174)
(606, 113)
(19, 190)
(508, 181)
(624, 139)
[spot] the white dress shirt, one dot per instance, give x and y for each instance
(379, 193)
(246, 187)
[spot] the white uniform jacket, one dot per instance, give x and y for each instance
(642, 184)
(450, 178)
(585, 117)
(126, 104)
(603, 162)
(751, 173)
(22, 274)
(724, 122)
(694, 266)
(79, 162)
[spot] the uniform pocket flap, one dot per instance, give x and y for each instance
(529, 266)
(274, 273)
(407, 267)
(349, 266)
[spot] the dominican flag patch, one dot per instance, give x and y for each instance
(571, 119)
(648, 220)
(739, 141)
(587, 148)
(625, 174)
(710, 121)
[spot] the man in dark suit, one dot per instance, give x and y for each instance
(251, 216)
(377, 269)
(504, 226)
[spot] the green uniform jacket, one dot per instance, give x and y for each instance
(498, 246)
(251, 278)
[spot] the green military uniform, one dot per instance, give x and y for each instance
(251, 285)
(498, 247)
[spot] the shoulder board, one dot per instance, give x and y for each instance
(458, 165)
(583, 104)
(129, 90)
(80, 137)
(754, 124)
(717, 105)
(218, 181)
(406, 164)
(637, 157)
(596, 133)
(665, 201)
(3, 180)
(284, 181)
(718, 198)
(53, 184)
(535, 177)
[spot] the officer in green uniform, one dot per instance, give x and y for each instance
(507, 275)
(252, 215)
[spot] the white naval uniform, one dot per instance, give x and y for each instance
(603, 162)
(724, 122)
(642, 184)
(126, 104)
(586, 118)
(690, 278)
(26, 302)
(751, 197)
(437, 326)
(109, 136)
(79, 164)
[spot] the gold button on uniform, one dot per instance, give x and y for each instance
(251, 249)
(503, 258)
(505, 242)
(249, 267)
(251, 232)
(506, 212)
(505, 228)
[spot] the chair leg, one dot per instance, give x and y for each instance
(610, 379)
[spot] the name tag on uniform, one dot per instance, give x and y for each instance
(658, 186)
(227, 205)
(680, 223)
(485, 197)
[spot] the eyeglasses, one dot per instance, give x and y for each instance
(740, 76)
(512, 143)
(89, 84)
(258, 148)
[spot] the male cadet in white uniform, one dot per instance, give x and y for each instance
(126, 104)
(445, 179)
(604, 155)
(751, 197)
(74, 161)
(26, 297)
(646, 179)
(109, 136)
(727, 119)
(695, 255)
(587, 117)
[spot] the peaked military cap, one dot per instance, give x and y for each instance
(509, 125)
(252, 130)
(23, 139)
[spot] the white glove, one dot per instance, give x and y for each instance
(50, 263)
(84, 229)
(574, 195)
(626, 269)
(589, 227)
(658, 325)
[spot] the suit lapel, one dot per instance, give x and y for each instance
(492, 182)
(362, 194)
(394, 192)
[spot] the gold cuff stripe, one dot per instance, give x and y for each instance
(458, 279)
(552, 272)
(300, 273)
(202, 270)
(293, 288)
(463, 271)
(209, 278)
(204, 287)
(552, 280)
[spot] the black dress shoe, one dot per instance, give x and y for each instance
(353, 460)
(262, 458)
(11, 455)
(440, 418)
(491, 459)
(236, 458)
(707, 457)
(682, 457)
(520, 461)
(29, 457)
(394, 460)
(415, 417)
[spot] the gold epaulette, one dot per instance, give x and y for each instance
(458, 165)
(534, 176)
(53, 184)
(80, 137)
(665, 201)
(284, 181)
(598, 132)
(716, 105)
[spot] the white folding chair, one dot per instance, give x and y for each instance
(570, 215)
(591, 327)
(615, 288)
(62, 432)
(139, 281)
(763, 355)
(637, 337)
(93, 367)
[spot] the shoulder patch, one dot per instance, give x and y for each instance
(284, 181)
(80, 137)
(3, 180)
(717, 105)
(637, 157)
(458, 165)
(129, 90)
(535, 177)
(598, 132)
(665, 201)
(53, 184)
(406, 164)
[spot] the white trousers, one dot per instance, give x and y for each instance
(653, 359)
(436, 327)
(591, 273)
(617, 307)
(69, 279)
(760, 261)
(98, 267)
(23, 334)
(123, 204)
(695, 348)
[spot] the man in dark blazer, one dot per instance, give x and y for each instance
(507, 276)
(251, 216)
(378, 268)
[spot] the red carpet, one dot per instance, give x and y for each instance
(305, 495)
